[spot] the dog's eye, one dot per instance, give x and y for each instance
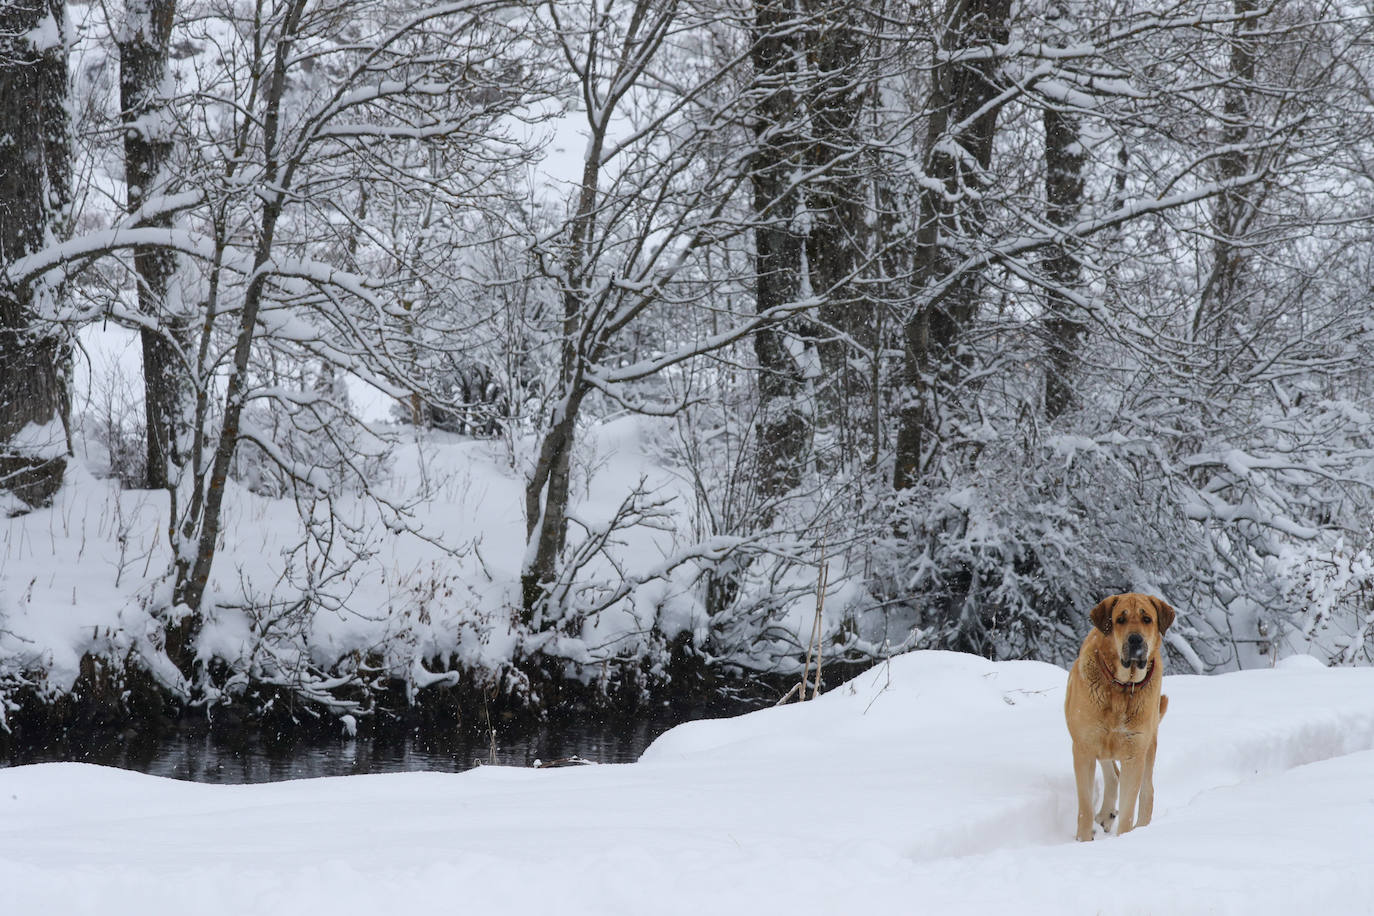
(1121, 619)
(1144, 619)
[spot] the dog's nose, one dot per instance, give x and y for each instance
(1135, 644)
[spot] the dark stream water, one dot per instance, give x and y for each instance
(201, 757)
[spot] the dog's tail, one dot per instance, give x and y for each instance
(1163, 705)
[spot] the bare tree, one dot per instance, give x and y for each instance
(332, 93)
(270, 135)
(648, 201)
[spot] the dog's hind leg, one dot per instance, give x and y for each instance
(1106, 814)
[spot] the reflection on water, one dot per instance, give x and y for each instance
(199, 757)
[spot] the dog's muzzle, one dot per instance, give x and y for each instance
(1135, 654)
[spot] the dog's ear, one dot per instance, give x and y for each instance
(1164, 613)
(1102, 614)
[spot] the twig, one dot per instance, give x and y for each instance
(813, 646)
(788, 695)
(822, 584)
(486, 711)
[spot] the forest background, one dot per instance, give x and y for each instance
(517, 355)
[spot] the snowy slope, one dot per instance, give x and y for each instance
(938, 783)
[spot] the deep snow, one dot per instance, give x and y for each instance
(937, 783)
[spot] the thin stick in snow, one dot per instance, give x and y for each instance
(813, 646)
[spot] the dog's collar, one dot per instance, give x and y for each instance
(1127, 685)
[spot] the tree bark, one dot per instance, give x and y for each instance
(1064, 325)
(962, 115)
(837, 54)
(143, 50)
(810, 76)
(1232, 212)
(546, 508)
(784, 425)
(35, 196)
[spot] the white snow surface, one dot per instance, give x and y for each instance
(936, 783)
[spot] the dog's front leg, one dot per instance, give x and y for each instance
(1147, 785)
(1106, 812)
(1083, 763)
(1132, 773)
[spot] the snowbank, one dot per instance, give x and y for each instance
(937, 783)
(86, 574)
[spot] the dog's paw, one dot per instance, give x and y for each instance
(1105, 820)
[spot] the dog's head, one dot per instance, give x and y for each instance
(1135, 624)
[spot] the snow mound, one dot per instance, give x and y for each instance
(909, 692)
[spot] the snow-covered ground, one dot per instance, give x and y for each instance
(938, 783)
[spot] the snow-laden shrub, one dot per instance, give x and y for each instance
(1250, 531)
(1331, 592)
(1007, 557)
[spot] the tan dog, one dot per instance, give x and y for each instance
(1113, 706)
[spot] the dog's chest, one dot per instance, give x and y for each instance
(1120, 743)
(1122, 731)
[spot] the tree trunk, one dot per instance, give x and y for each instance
(784, 424)
(546, 510)
(1064, 325)
(1231, 216)
(962, 115)
(836, 204)
(35, 195)
(143, 47)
